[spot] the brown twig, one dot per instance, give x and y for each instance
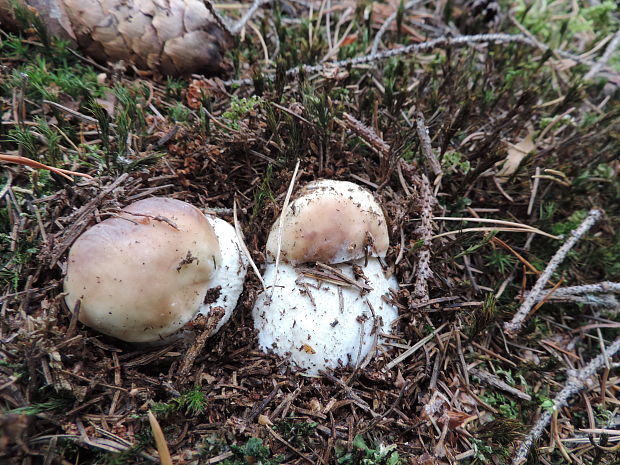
(420, 288)
(513, 326)
(425, 143)
(576, 383)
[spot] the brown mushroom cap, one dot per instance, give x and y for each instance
(330, 222)
(143, 275)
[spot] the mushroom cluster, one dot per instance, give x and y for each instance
(325, 302)
(142, 275)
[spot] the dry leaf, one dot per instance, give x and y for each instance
(516, 153)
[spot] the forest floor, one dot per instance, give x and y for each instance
(521, 131)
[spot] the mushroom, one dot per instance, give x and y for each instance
(330, 314)
(331, 222)
(142, 275)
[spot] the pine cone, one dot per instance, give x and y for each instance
(173, 37)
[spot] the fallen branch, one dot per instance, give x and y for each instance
(514, 326)
(420, 287)
(598, 288)
(459, 41)
(425, 143)
(576, 382)
(367, 135)
(596, 295)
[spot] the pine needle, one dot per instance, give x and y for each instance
(160, 440)
(244, 248)
(486, 229)
(287, 200)
(35, 164)
(501, 222)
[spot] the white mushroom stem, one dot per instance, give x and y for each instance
(318, 323)
(230, 274)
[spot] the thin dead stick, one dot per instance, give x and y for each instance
(236, 28)
(368, 135)
(35, 164)
(596, 295)
(498, 383)
(576, 382)
(420, 287)
(598, 288)
(514, 326)
(386, 24)
(459, 41)
(425, 142)
(221, 21)
(409, 352)
(535, 185)
(609, 51)
(77, 114)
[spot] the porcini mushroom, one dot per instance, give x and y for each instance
(142, 275)
(330, 314)
(330, 222)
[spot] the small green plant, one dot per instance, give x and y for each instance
(547, 404)
(596, 21)
(500, 260)
(502, 431)
(14, 47)
(363, 454)
(191, 402)
(52, 138)
(264, 192)
(296, 432)
(482, 452)
(28, 18)
(507, 408)
(174, 88)
(60, 404)
(25, 140)
(253, 453)
(452, 162)
(483, 317)
(472, 248)
(14, 263)
(239, 108)
(572, 222)
(179, 113)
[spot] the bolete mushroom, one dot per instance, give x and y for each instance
(330, 222)
(142, 275)
(330, 314)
